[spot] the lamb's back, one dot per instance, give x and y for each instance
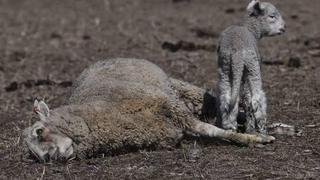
(236, 38)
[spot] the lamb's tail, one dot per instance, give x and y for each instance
(209, 130)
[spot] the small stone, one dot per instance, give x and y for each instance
(29, 83)
(299, 133)
(12, 87)
(65, 84)
(307, 151)
(294, 16)
(260, 146)
(314, 52)
(195, 152)
(312, 126)
(86, 37)
(230, 10)
(294, 62)
(55, 35)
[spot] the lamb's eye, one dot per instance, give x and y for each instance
(39, 132)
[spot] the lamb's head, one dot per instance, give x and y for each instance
(267, 18)
(43, 139)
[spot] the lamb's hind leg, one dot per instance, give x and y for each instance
(229, 89)
(256, 99)
(250, 126)
(224, 98)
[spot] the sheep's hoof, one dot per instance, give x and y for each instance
(266, 139)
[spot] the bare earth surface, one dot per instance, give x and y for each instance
(45, 44)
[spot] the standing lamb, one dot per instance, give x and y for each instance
(123, 105)
(239, 67)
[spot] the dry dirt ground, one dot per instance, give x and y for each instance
(45, 44)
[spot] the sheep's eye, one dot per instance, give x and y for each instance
(272, 16)
(39, 132)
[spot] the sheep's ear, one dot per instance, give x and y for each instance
(42, 109)
(254, 8)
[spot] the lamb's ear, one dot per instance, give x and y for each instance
(42, 109)
(254, 8)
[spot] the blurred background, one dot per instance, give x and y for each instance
(45, 44)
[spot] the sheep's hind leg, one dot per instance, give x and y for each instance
(189, 93)
(201, 102)
(209, 130)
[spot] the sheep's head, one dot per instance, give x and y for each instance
(269, 18)
(43, 139)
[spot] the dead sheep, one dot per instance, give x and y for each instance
(122, 105)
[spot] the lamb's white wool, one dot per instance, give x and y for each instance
(239, 67)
